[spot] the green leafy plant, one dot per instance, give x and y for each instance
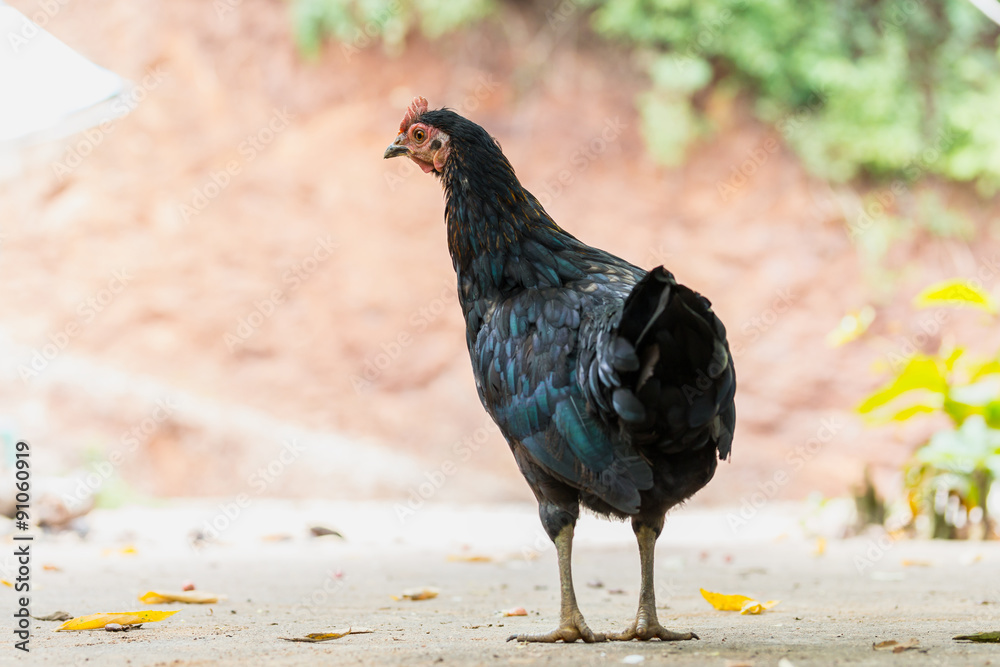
(897, 88)
(356, 24)
(949, 478)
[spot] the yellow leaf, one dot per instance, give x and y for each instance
(129, 550)
(740, 603)
(190, 597)
(417, 594)
(851, 326)
(97, 621)
(753, 607)
(820, 546)
(955, 292)
(725, 602)
(6, 583)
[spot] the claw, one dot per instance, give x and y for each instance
(568, 633)
(646, 631)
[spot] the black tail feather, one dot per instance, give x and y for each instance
(676, 371)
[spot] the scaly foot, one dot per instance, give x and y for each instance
(645, 628)
(568, 631)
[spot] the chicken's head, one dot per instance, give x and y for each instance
(424, 144)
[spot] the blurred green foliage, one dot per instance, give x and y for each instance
(883, 88)
(357, 24)
(950, 477)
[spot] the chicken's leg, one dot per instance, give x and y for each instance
(646, 626)
(571, 623)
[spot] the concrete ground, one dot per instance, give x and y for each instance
(282, 582)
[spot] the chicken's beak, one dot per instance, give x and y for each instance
(396, 148)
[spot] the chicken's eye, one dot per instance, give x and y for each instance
(419, 135)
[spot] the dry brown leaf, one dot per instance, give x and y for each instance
(895, 646)
(322, 531)
(189, 597)
(54, 616)
(314, 637)
(426, 593)
(97, 621)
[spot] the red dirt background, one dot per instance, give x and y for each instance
(363, 359)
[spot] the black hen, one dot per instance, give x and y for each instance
(614, 387)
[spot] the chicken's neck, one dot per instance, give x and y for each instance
(490, 217)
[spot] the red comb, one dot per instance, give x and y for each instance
(417, 107)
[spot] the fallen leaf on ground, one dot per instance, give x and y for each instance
(128, 550)
(314, 637)
(276, 537)
(516, 611)
(323, 531)
(820, 547)
(740, 603)
(895, 646)
(6, 583)
(51, 568)
(753, 607)
(190, 597)
(96, 621)
(468, 558)
(54, 616)
(417, 594)
(981, 638)
(907, 562)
